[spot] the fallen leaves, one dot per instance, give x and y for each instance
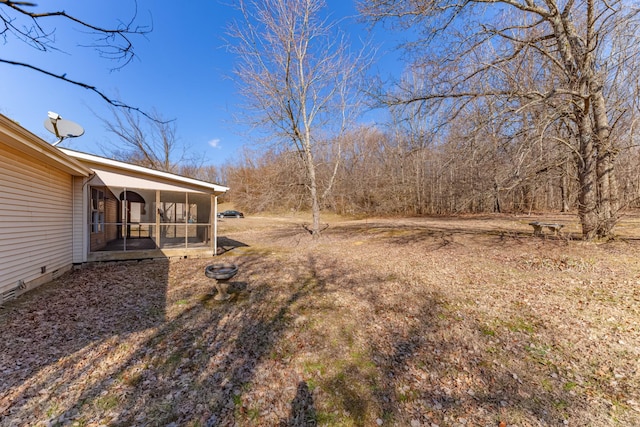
(402, 330)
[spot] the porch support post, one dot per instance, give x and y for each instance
(158, 218)
(214, 223)
(186, 220)
(124, 227)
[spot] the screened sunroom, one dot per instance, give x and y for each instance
(134, 212)
(132, 219)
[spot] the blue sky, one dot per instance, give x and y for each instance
(182, 70)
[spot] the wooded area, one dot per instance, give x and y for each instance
(383, 173)
(504, 106)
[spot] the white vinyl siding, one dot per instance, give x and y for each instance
(35, 219)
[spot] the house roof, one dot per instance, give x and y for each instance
(20, 139)
(114, 173)
(111, 172)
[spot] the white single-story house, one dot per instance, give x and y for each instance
(60, 208)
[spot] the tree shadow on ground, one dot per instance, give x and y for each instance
(432, 369)
(193, 367)
(388, 349)
(439, 237)
(303, 412)
(77, 316)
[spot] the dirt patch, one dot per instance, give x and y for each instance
(453, 321)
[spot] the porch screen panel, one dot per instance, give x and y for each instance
(184, 220)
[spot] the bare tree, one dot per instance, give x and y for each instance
(471, 49)
(23, 21)
(299, 80)
(149, 141)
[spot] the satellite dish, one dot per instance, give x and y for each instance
(62, 128)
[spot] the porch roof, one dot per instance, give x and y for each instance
(118, 174)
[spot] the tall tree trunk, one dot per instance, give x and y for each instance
(313, 193)
(496, 198)
(587, 199)
(607, 184)
(564, 188)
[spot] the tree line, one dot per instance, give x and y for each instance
(393, 172)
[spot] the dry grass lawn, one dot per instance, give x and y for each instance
(415, 322)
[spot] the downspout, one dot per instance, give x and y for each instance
(73, 217)
(86, 236)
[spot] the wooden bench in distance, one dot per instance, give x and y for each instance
(538, 226)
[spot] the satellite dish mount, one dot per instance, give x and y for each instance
(62, 128)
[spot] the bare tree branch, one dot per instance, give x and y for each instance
(110, 43)
(114, 102)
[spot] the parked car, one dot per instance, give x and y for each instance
(230, 214)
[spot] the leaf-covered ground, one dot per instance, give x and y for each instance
(415, 322)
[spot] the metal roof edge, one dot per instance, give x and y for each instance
(89, 159)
